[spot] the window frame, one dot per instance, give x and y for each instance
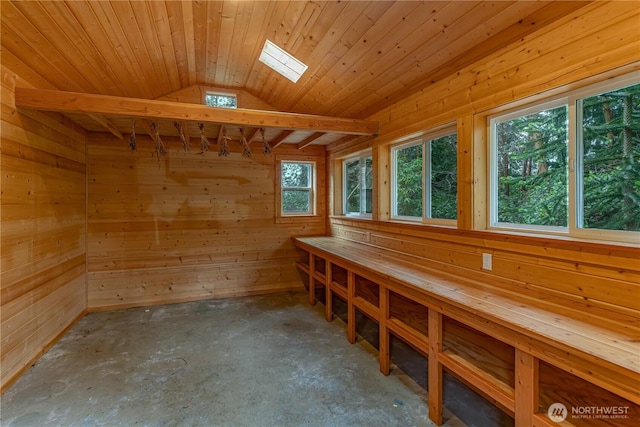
(215, 93)
(280, 189)
(425, 141)
(360, 157)
(575, 157)
(511, 114)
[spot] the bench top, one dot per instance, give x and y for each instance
(606, 337)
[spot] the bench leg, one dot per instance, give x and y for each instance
(526, 399)
(328, 295)
(384, 343)
(312, 281)
(351, 309)
(435, 368)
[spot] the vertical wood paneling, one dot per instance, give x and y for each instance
(43, 230)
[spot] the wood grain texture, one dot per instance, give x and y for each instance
(147, 49)
(184, 228)
(43, 228)
(584, 342)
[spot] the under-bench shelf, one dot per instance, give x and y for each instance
(523, 352)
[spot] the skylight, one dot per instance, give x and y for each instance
(282, 62)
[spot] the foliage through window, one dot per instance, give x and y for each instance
(570, 165)
(609, 140)
(296, 180)
(358, 186)
(531, 160)
(221, 100)
(425, 179)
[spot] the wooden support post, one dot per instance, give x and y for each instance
(312, 280)
(435, 368)
(526, 400)
(351, 309)
(328, 307)
(384, 343)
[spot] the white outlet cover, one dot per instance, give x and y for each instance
(487, 262)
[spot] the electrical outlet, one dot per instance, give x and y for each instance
(486, 262)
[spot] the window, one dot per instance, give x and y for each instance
(358, 185)
(220, 100)
(530, 167)
(297, 184)
(608, 155)
(425, 178)
(570, 165)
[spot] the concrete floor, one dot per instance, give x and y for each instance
(258, 361)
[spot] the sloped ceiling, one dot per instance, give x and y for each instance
(362, 55)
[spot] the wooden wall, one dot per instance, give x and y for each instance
(601, 38)
(43, 230)
(190, 226)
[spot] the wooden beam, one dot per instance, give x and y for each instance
(309, 140)
(185, 131)
(280, 138)
(251, 134)
(348, 141)
(107, 124)
(73, 102)
(146, 124)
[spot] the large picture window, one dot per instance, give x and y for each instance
(530, 162)
(296, 180)
(570, 165)
(608, 149)
(357, 176)
(424, 174)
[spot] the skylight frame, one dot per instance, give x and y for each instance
(282, 61)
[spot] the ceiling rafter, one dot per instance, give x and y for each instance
(107, 124)
(280, 138)
(310, 139)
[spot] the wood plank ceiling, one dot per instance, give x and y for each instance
(362, 55)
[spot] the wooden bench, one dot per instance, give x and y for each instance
(521, 349)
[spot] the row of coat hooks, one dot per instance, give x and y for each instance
(161, 149)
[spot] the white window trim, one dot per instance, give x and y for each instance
(394, 180)
(311, 188)
(576, 152)
(575, 158)
(493, 167)
(424, 140)
(360, 157)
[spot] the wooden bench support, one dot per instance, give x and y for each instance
(384, 341)
(351, 309)
(435, 368)
(515, 350)
(526, 399)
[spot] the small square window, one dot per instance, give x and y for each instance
(296, 181)
(221, 100)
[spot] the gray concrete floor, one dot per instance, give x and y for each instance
(257, 361)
